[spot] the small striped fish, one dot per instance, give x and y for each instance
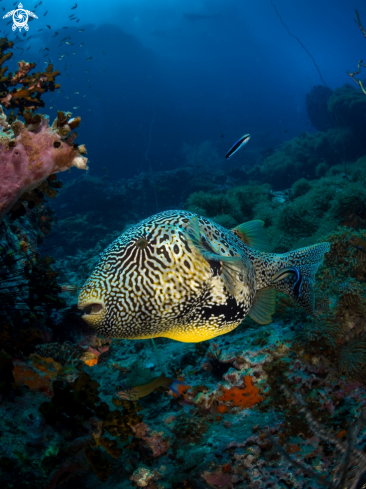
(184, 277)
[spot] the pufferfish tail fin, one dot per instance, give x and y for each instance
(296, 274)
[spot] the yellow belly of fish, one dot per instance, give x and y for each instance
(193, 332)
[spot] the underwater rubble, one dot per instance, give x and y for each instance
(228, 428)
(219, 432)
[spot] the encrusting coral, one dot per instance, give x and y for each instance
(243, 397)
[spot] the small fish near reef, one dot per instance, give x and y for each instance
(184, 277)
(239, 144)
(135, 393)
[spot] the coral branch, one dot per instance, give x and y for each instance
(28, 96)
(352, 75)
(358, 22)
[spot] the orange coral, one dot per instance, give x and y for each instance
(89, 359)
(39, 375)
(36, 382)
(23, 247)
(48, 365)
(91, 362)
(292, 448)
(242, 397)
(341, 434)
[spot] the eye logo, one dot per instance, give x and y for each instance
(20, 18)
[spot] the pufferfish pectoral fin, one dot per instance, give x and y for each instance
(233, 267)
(252, 234)
(233, 275)
(264, 306)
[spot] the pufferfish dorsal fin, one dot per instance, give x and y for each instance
(252, 234)
(264, 306)
(233, 267)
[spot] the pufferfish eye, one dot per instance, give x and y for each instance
(141, 243)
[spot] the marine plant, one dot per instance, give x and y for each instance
(360, 65)
(300, 187)
(351, 464)
(350, 204)
(321, 170)
(352, 359)
(298, 218)
(319, 333)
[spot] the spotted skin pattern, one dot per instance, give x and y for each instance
(152, 281)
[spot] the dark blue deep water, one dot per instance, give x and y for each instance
(171, 318)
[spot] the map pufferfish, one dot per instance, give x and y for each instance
(181, 276)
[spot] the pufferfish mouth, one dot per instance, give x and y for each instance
(92, 309)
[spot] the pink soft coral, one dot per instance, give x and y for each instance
(29, 153)
(218, 479)
(155, 440)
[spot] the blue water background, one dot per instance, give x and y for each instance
(188, 80)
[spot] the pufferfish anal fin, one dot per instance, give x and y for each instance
(232, 267)
(252, 234)
(264, 306)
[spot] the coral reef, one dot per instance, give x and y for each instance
(300, 157)
(230, 208)
(316, 107)
(33, 85)
(218, 433)
(348, 104)
(31, 152)
(62, 422)
(76, 410)
(300, 187)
